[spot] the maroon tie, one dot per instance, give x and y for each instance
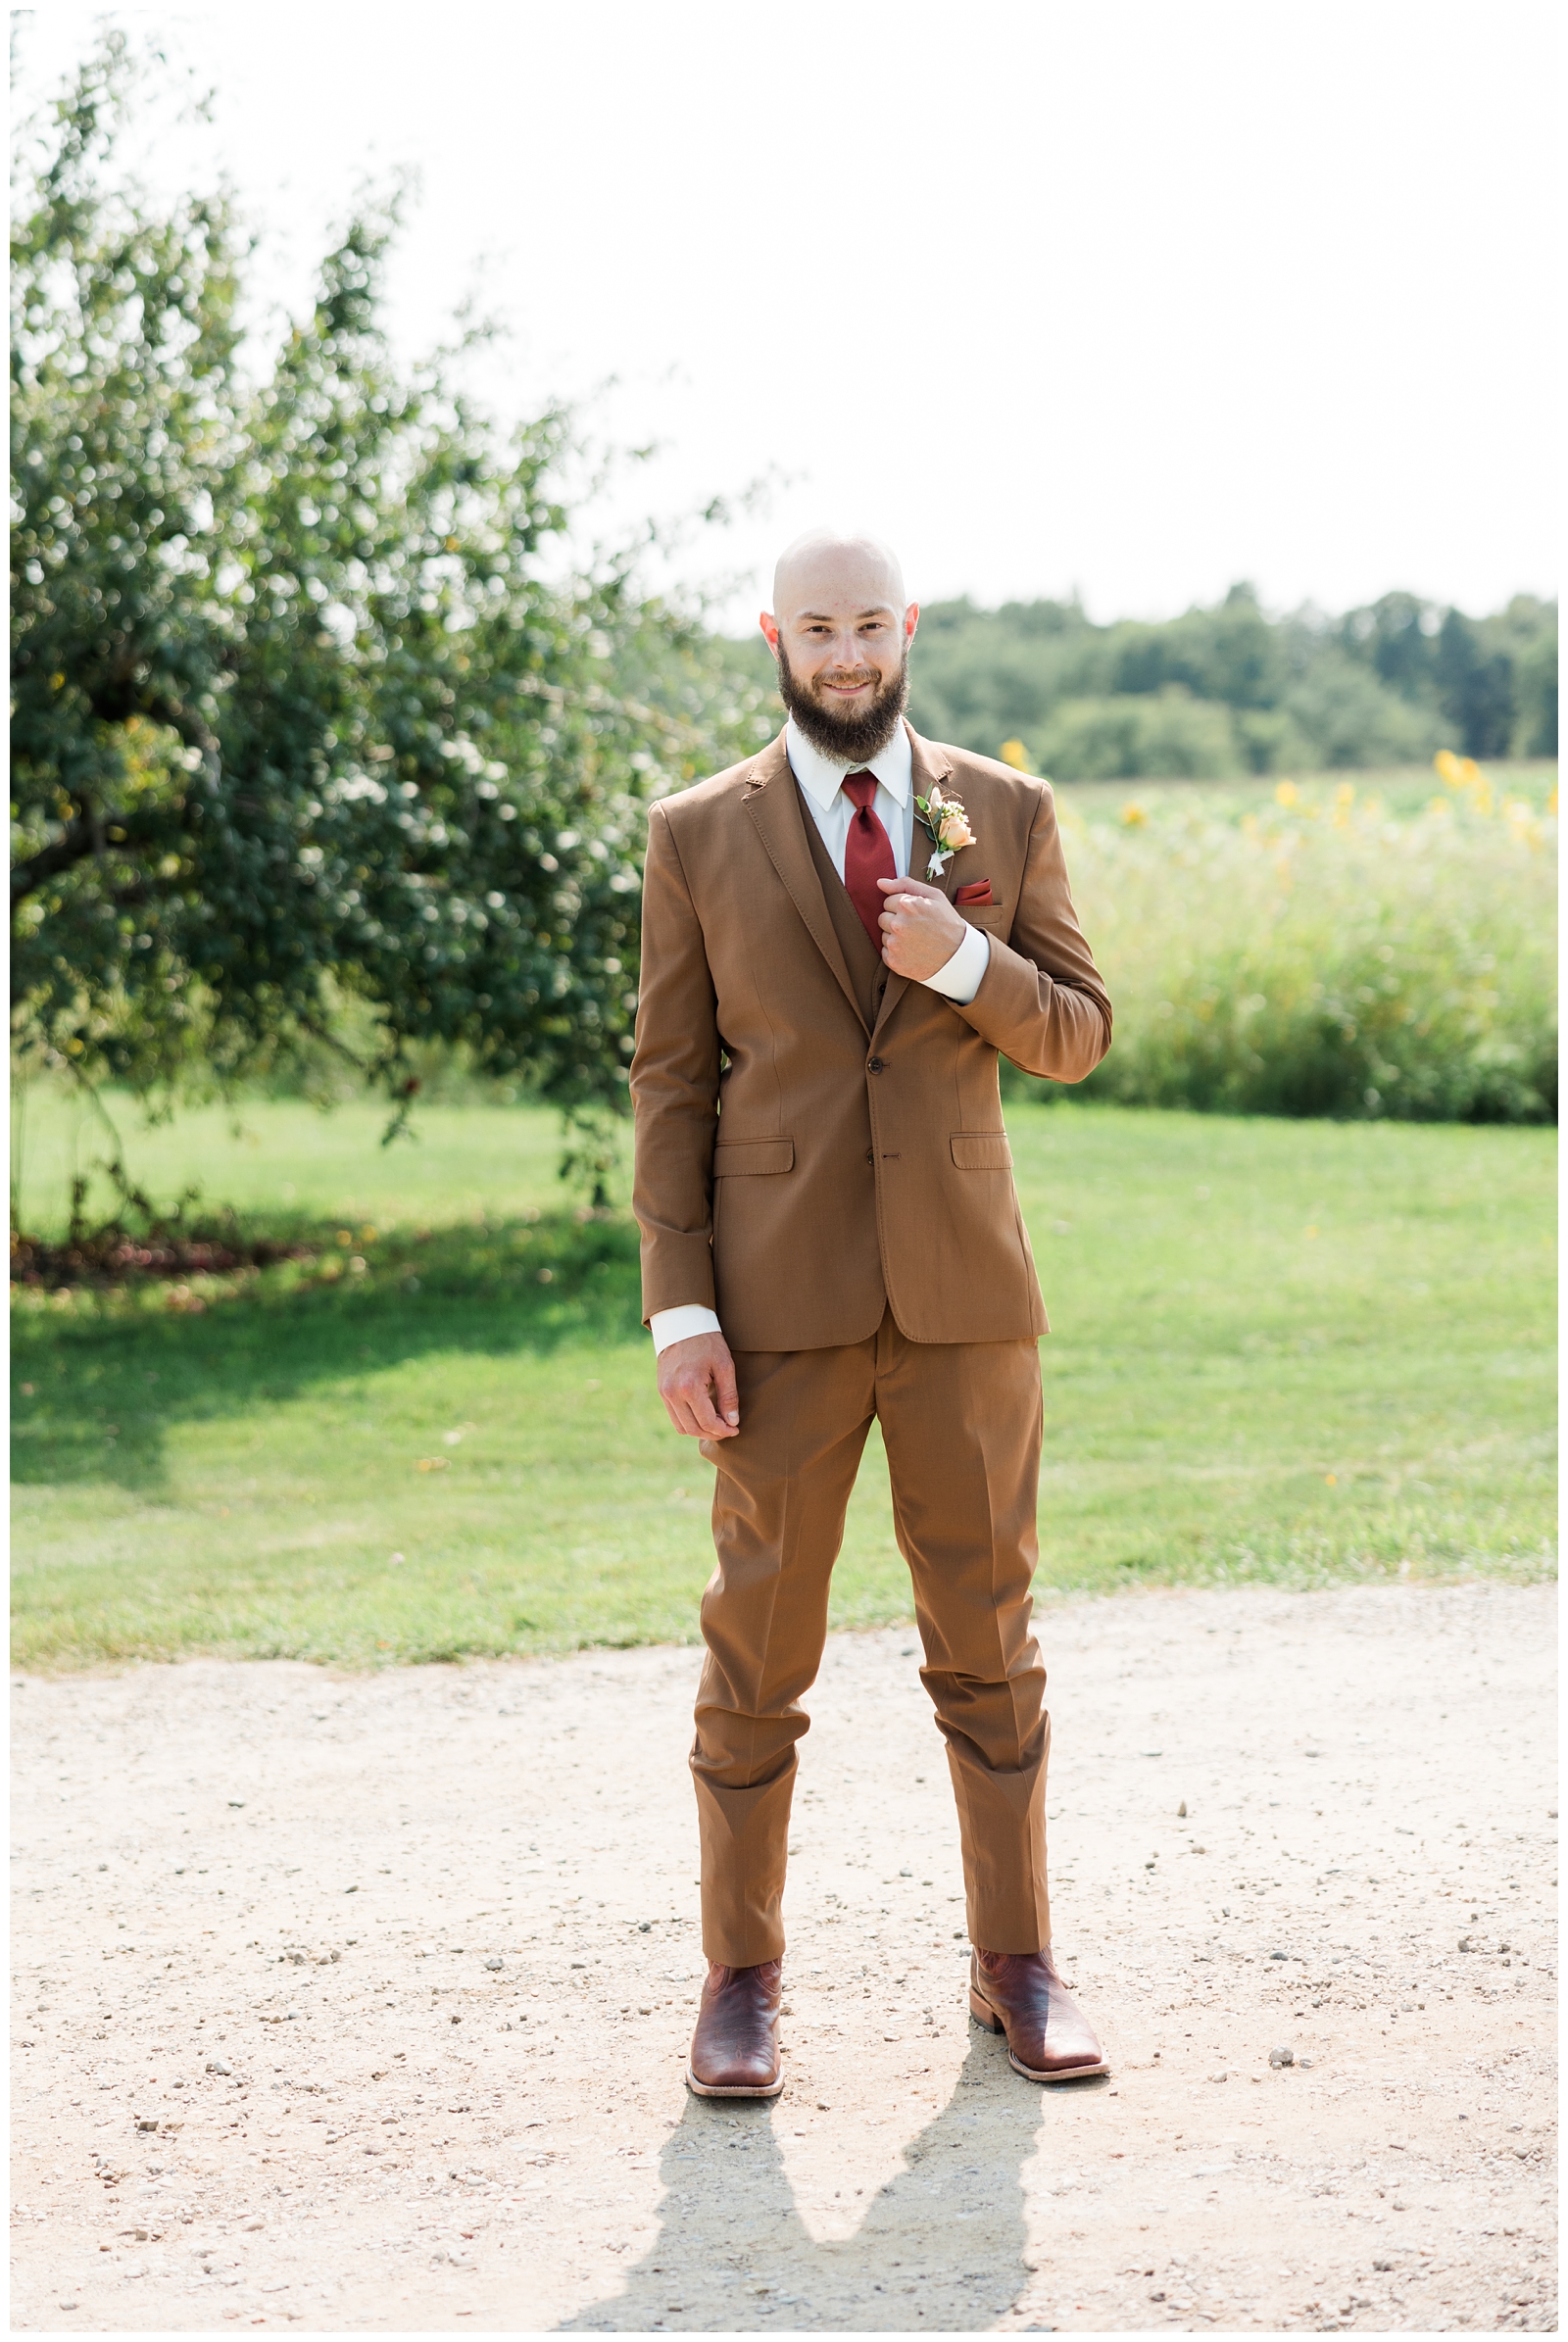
(867, 855)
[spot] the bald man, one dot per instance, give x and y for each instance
(840, 938)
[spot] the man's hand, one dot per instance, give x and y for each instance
(920, 929)
(696, 1384)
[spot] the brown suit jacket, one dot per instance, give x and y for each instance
(806, 1156)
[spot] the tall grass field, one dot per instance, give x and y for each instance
(1327, 947)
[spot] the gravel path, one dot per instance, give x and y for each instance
(361, 2003)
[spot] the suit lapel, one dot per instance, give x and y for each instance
(770, 800)
(929, 765)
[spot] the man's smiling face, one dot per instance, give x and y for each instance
(840, 630)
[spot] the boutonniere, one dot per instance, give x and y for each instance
(947, 825)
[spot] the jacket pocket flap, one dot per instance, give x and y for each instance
(753, 1155)
(981, 1151)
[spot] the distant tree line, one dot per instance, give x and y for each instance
(1232, 690)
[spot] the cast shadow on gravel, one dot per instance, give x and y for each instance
(938, 2247)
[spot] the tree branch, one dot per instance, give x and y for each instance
(319, 1032)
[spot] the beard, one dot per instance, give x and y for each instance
(852, 737)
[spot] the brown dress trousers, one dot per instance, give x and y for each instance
(820, 1149)
(961, 1422)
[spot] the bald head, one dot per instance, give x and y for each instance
(840, 630)
(836, 573)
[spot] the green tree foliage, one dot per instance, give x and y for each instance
(306, 738)
(1231, 690)
(1493, 680)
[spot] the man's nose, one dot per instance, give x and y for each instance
(847, 653)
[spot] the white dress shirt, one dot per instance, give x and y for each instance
(958, 979)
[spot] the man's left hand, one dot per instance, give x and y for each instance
(920, 929)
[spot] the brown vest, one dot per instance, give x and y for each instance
(868, 970)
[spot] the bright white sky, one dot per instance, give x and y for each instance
(1121, 295)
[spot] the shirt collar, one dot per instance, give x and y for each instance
(823, 778)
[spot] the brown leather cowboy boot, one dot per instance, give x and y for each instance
(1021, 1995)
(735, 2047)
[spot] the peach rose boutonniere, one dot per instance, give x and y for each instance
(947, 825)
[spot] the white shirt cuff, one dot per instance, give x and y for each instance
(960, 977)
(679, 1325)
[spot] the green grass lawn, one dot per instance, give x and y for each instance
(1282, 1350)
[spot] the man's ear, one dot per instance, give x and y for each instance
(911, 619)
(770, 625)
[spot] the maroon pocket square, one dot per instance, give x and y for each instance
(977, 890)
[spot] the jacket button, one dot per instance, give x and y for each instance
(877, 1065)
(871, 1158)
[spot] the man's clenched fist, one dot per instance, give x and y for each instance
(920, 929)
(696, 1384)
